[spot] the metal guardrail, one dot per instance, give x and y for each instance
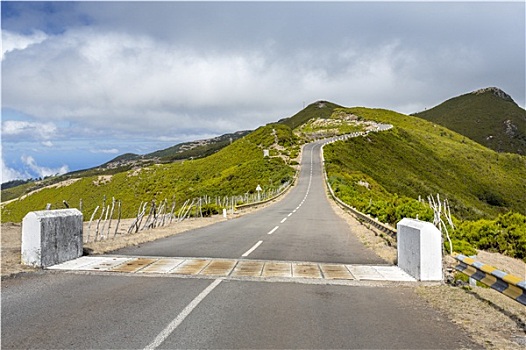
(505, 283)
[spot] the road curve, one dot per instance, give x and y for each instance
(300, 227)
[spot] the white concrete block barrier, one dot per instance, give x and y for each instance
(50, 237)
(420, 249)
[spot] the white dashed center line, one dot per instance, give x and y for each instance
(273, 230)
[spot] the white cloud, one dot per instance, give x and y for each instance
(106, 151)
(120, 75)
(40, 171)
(129, 83)
(33, 130)
(14, 41)
(9, 174)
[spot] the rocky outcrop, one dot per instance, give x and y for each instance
(495, 91)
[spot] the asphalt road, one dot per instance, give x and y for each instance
(307, 229)
(51, 310)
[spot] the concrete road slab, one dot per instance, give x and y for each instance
(336, 272)
(394, 273)
(191, 267)
(245, 268)
(219, 268)
(364, 272)
(162, 266)
(306, 270)
(134, 265)
(78, 264)
(107, 264)
(277, 269)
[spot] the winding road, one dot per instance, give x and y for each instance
(267, 280)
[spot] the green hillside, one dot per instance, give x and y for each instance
(235, 170)
(488, 116)
(417, 158)
(385, 174)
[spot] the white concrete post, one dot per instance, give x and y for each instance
(419, 249)
(51, 237)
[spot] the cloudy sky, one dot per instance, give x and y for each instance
(83, 82)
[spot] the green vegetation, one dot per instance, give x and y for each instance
(488, 116)
(384, 174)
(417, 158)
(16, 191)
(387, 175)
(235, 170)
(506, 234)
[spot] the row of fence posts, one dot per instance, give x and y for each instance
(106, 212)
(152, 215)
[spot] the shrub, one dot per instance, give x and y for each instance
(461, 246)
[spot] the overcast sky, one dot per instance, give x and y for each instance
(83, 82)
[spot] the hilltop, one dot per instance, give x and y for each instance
(488, 116)
(316, 110)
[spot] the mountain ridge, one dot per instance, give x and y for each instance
(321, 109)
(488, 116)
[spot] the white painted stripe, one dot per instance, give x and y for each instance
(181, 317)
(273, 230)
(252, 249)
(289, 215)
(285, 219)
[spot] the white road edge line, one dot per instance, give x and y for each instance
(252, 249)
(273, 230)
(181, 317)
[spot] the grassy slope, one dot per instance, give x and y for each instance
(417, 158)
(234, 170)
(479, 116)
